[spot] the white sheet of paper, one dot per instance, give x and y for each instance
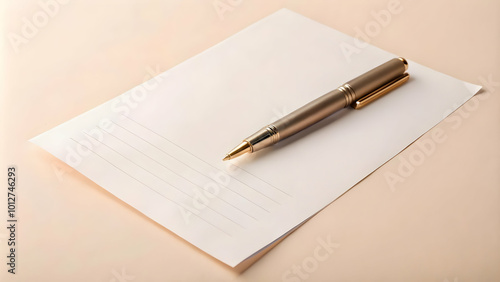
(158, 147)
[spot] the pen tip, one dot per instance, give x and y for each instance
(241, 149)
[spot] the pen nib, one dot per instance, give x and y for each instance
(241, 149)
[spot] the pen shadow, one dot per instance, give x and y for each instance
(304, 134)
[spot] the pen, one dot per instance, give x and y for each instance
(357, 93)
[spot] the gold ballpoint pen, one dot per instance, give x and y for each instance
(356, 93)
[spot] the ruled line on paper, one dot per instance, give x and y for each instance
(177, 159)
(163, 180)
(178, 146)
(149, 187)
(172, 171)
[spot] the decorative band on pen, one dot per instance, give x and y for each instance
(274, 134)
(349, 94)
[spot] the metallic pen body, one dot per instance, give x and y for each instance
(389, 75)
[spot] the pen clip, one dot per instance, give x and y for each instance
(386, 88)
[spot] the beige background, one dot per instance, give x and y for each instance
(441, 222)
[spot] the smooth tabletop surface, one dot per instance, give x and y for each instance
(432, 213)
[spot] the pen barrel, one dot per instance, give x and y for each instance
(298, 120)
(311, 113)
